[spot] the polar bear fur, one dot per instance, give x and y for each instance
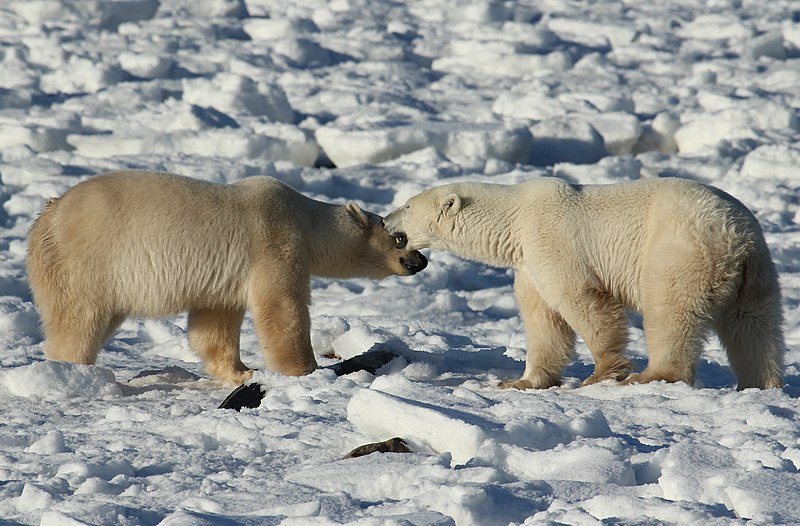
(151, 244)
(688, 257)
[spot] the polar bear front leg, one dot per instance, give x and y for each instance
(214, 335)
(283, 325)
(551, 341)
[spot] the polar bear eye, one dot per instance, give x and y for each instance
(400, 240)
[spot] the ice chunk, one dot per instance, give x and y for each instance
(81, 75)
(274, 143)
(773, 161)
(304, 53)
(767, 45)
(597, 460)
(713, 468)
(513, 65)
(277, 28)
(39, 138)
(741, 121)
(146, 65)
(50, 444)
(33, 498)
(209, 8)
(766, 496)
(567, 139)
(238, 94)
(591, 33)
(358, 145)
(534, 106)
(722, 26)
(659, 135)
(58, 380)
(381, 416)
(484, 11)
(619, 130)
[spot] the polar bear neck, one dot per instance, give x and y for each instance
(486, 232)
(334, 249)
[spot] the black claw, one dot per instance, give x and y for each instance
(247, 395)
(369, 361)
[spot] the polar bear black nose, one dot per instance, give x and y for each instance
(415, 262)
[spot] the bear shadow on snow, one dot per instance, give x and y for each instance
(462, 357)
(792, 387)
(714, 375)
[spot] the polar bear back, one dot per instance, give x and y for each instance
(162, 233)
(604, 235)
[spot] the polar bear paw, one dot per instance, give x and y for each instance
(616, 376)
(524, 383)
(238, 374)
(648, 376)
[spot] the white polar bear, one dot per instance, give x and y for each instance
(687, 256)
(152, 244)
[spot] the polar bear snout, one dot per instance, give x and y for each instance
(414, 262)
(393, 223)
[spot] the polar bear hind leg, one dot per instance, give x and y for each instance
(722, 279)
(707, 268)
(76, 335)
(681, 283)
(214, 335)
(674, 337)
(750, 329)
(76, 315)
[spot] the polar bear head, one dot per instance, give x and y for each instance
(429, 218)
(477, 221)
(378, 253)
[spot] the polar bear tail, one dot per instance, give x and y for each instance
(751, 328)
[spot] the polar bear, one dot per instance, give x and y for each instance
(688, 257)
(150, 244)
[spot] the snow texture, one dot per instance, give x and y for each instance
(375, 101)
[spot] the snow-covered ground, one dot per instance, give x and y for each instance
(374, 101)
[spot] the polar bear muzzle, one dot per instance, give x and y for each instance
(415, 262)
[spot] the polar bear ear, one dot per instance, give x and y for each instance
(451, 205)
(355, 211)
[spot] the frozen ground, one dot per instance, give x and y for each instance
(398, 96)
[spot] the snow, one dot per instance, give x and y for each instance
(350, 147)
(373, 102)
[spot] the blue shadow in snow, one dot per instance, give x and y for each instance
(477, 361)
(213, 117)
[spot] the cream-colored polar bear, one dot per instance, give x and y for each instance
(151, 244)
(687, 256)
